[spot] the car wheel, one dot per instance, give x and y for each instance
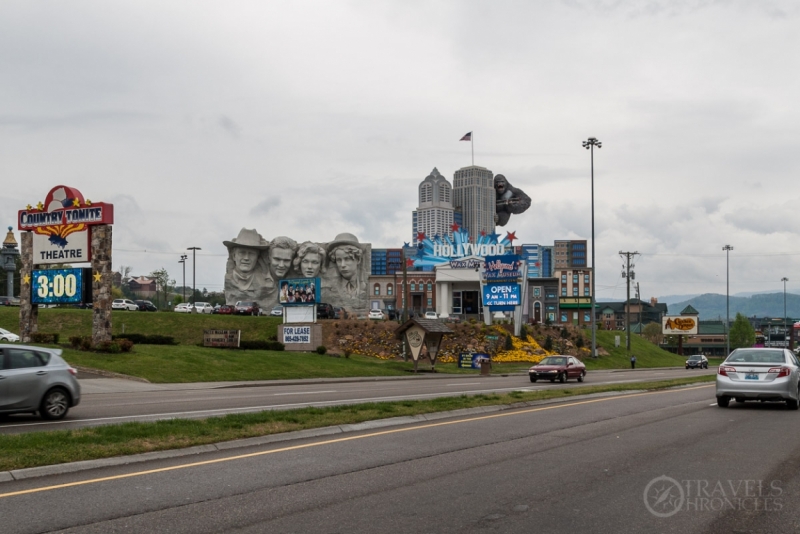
(792, 404)
(552, 380)
(55, 404)
(533, 379)
(563, 377)
(739, 399)
(723, 401)
(580, 376)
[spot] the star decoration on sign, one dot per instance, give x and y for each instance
(409, 262)
(511, 236)
(97, 276)
(40, 206)
(405, 244)
(494, 235)
(29, 207)
(88, 202)
(26, 279)
(76, 203)
(454, 227)
(420, 236)
(483, 233)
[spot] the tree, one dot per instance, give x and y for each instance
(742, 333)
(163, 283)
(652, 333)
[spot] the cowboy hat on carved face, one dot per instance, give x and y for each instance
(345, 253)
(245, 249)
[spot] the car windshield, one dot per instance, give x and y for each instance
(554, 361)
(694, 358)
(246, 303)
(4, 331)
(756, 356)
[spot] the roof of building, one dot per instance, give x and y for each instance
(143, 280)
(689, 310)
(10, 240)
(430, 325)
(619, 307)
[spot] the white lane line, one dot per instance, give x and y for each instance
(466, 384)
(303, 393)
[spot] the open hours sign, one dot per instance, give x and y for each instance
(501, 295)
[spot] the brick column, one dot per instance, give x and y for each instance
(101, 290)
(28, 313)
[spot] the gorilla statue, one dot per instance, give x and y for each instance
(508, 200)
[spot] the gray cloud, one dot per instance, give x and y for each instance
(266, 206)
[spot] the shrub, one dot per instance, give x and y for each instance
(142, 339)
(86, 343)
(321, 349)
(564, 332)
(579, 342)
(259, 344)
(40, 337)
(347, 353)
(509, 344)
(125, 345)
(75, 341)
(108, 346)
(547, 321)
(548, 343)
(523, 332)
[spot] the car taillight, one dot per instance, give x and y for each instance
(781, 371)
(73, 372)
(725, 370)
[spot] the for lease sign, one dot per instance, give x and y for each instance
(296, 334)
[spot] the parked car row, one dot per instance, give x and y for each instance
(9, 301)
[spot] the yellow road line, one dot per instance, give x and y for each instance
(337, 440)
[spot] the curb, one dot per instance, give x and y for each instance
(74, 467)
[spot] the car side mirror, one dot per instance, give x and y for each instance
(569, 364)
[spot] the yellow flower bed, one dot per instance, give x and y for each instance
(519, 354)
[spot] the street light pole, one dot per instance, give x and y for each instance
(589, 145)
(183, 261)
(785, 339)
(194, 271)
(727, 249)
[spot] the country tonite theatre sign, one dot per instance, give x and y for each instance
(61, 225)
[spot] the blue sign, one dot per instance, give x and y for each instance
(299, 291)
(501, 294)
(507, 267)
(57, 286)
(471, 360)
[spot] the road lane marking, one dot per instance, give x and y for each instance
(339, 440)
(467, 384)
(303, 393)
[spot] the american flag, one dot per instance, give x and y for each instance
(467, 137)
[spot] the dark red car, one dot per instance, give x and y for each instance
(225, 310)
(558, 367)
(246, 308)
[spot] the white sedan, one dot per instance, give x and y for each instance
(183, 308)
(124, 304)
(5, 336)
(375, 314)
(203, 307)
(431, 315)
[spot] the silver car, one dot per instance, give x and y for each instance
(36, 379)
(759, 374)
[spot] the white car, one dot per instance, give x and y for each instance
(5, 335)
(124, 304)
(183, 308)
(203, 307)
(375, 314)
(431, 315)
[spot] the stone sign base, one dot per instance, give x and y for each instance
(300, 336)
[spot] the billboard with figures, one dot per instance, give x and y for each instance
(299, 291)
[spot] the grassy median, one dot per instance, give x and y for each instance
(48, 448)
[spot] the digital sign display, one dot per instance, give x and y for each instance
(57, 286)
(299, 291)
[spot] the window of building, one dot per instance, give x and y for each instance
(587, 317)
(457, 302)
(563, 291)
(377, 289)
(563, 278)
(430, 287)
(586, 279)
(586, 292)
(575, 279)
(389, 289)
(564, 316)
(413, 286)
(430, 302)
(574, 291)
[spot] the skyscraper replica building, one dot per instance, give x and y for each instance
(473, 192)
(434, 215)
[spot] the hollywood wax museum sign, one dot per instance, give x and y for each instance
(61, 225)
(444, 249)
(503, 268)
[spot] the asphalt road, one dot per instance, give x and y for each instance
(107, 401)
(665, 461)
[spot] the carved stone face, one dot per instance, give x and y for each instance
(280, 259)
(346, 264)
(245, 259)
(500, 184)
(310, 265)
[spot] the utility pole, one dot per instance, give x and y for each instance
(639, 298)
(183, 261)
(589, 145)
(194, 271)
(727, 249)
(629, 275)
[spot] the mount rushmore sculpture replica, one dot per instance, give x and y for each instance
(255, 267)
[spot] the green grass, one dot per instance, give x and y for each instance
(647, 354)
(186, 328)
(46, 448)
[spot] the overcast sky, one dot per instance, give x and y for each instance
(307, 119)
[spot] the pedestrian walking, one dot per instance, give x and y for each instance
(633, 361)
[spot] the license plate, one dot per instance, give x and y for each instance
(751, 376)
